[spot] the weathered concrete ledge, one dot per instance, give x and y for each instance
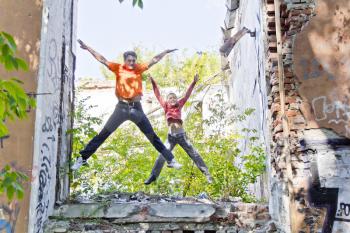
(160, 217)
(133, 212)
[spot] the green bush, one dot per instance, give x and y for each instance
(125, 160)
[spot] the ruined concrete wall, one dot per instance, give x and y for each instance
(247, 80)
(321, 57)
(317, 97)
(51, 144)
(161, 217)
(22, 19)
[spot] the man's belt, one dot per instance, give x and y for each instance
(128, 102)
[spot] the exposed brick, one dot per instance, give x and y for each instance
(289, 87)
(291, 99)
(289, 80)
(292, 113)
(293, 106)
(276, 122)
(275, 108)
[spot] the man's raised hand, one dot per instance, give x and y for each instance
(157, 58)
(82, 44)
(96, 55)
(171, 50)
(196, 77)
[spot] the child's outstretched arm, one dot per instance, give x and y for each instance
(156, 91)
(183, 100)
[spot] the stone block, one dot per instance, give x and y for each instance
(174, 210)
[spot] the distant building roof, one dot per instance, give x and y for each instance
(96, 84)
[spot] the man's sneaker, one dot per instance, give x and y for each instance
(174, 164)
(151, 179)
(209, 178)
(78, 163)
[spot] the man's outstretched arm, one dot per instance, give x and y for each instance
(159, 57)
(183, 100)
(98, 56)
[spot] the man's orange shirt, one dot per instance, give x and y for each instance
(128, 81)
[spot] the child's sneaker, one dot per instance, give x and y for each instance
(151, 179)
(78, 163)
(174, 164)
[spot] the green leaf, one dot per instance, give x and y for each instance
(20, 194)
(5, 50)
(10, 191)
(22, 64)
(8, 64)
(140, 4)
(3, 129)
(14, 62)
(134, 2)
(10, 40)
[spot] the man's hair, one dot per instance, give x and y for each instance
(129, 53)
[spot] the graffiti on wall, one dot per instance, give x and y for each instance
(8, 217)
(343, 207)
(321, 58)
(330, 179)
(336, 112)
(48, 148)
(321, 55)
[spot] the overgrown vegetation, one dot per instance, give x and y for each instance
(14, 103)
(11, 183)
(138, 3)
(125, 160)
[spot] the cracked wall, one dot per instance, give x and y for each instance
(247, 84)
(314, 81)
(315, 60)
(52, 145)
(39, 146)
(23, 21)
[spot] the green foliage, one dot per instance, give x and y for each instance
(139, 3)
(8, 49)
(13, 104)
(11, 183)
(83, 125)
(13, 100)
(126, 158)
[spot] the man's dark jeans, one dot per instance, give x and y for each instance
(183, 141)
(123, 112)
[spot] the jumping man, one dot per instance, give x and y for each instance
(128, 91)
(176, 135)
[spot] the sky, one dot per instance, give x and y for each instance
(112, 28)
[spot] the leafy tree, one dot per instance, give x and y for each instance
(126, 159)
(11, 183)
(139, 3)
(14, 103)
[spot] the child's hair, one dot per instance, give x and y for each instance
(171, 93)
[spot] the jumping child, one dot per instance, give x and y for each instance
(176, 135)
(129, 92)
